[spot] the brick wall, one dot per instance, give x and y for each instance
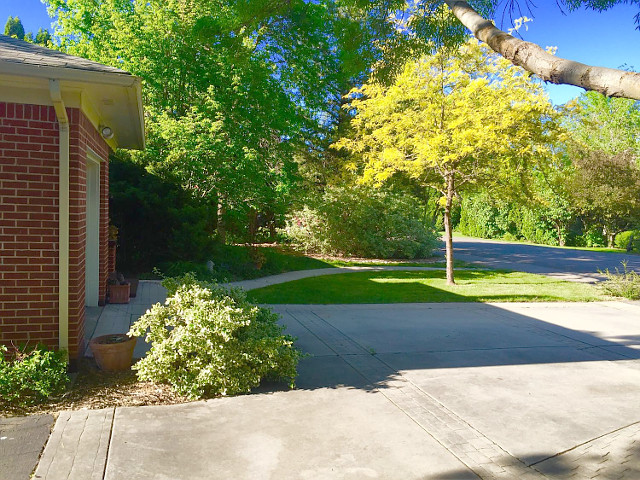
(29, 223)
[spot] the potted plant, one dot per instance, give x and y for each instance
(113, 352)
(133, 282)
(118, 288)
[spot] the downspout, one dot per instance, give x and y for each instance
(63, 204)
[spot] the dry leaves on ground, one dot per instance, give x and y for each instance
(92, 388)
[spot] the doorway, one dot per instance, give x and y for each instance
(92, 237)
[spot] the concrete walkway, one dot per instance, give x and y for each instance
(300, 274)
(118, 318)
(415, 391)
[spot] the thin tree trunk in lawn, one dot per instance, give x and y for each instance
(608, 81)
(560, 236)
(448, 233)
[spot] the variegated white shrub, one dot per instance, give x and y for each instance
(207, 340)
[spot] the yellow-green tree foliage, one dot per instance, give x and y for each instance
(452, 121)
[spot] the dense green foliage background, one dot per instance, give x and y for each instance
(362, 222)
(244, 99)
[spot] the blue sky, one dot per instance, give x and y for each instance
(608, 39)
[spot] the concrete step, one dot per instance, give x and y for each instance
(78, 446)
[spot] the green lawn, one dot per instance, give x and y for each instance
(429, 286)
(235, 262)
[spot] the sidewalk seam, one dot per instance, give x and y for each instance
(481, 468)
(585, 443)
(106, 457)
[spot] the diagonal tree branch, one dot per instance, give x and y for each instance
(608, 81)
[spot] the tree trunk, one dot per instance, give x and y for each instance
(253, 225)
(611, 239)
(630, 244)
(448, 233)
(271, 219)
(608, 81)
(220, 227)
(561, 241)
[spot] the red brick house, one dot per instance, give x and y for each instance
(59, 117)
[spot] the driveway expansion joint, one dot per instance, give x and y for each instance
(479, 453)
(607, 456)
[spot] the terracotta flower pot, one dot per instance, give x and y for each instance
(114, 352)
(119, 293)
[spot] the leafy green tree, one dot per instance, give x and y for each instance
(606, 190)
(610, 125)
(454, 121)
(14, 28)
(43, 37)
(604, 150)
(235, 92)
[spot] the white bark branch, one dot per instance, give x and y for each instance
(608, 81)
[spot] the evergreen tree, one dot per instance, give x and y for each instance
(14, 28)
(43, 37)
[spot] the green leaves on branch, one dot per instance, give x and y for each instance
(236, 93)
(465, 113)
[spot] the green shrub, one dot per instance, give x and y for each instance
(590, 238)
(207, 340)
(362, 222)
(28, 378)
(157, 220)
(622, 284)
(630, 238)
(479, 218)
(533, 228)
(486, 218)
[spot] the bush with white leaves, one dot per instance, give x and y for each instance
(207, 340)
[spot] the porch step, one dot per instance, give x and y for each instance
(78, 446)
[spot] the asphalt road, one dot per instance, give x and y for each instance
(563, 262)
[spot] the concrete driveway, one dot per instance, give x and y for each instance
(421, 391)
(566, 263)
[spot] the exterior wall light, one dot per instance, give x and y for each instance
(107, 133)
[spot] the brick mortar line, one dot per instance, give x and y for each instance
(455, 449)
